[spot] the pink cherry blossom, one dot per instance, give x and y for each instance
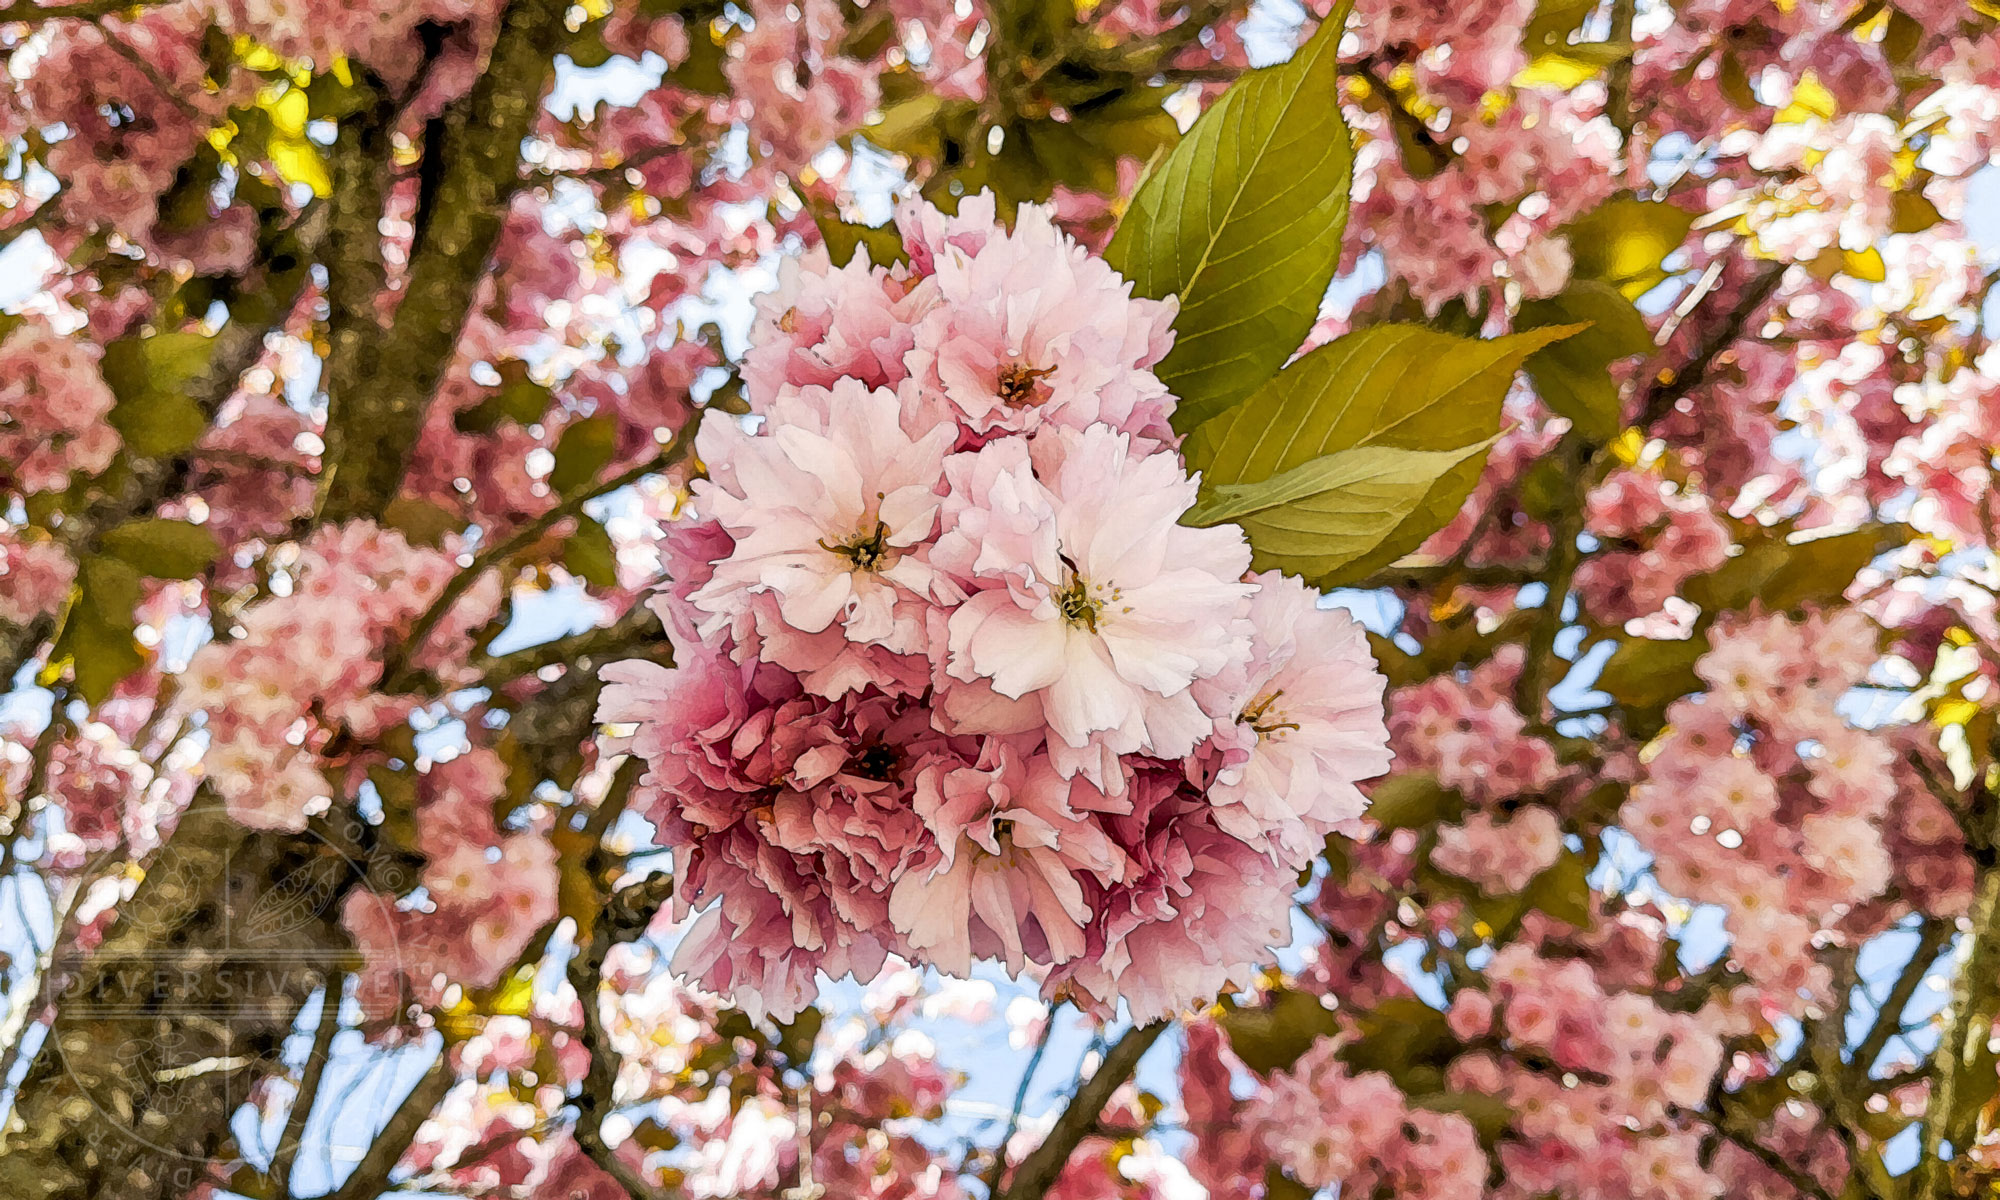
(1087, 601)
(831, 507)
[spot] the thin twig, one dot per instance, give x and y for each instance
(627, 915)
(310, 1079)
(1801, 1181)
(1044, 1164)
(523, 537)
(999, 1167)
(1670, 389)
(1932, 936)
(370, 1177)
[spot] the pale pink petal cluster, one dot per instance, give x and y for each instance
(1468, 733)
(1328, 1126)
(54, 406)
(1762, 798)
(35, 574)
(952, 680)
(300, 667)
(489, 890)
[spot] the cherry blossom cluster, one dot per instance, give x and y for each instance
(487, 891)
(1596, 1081)
(1328, 1126)
(53, 405)
(302, 667)
(1662, 537)
(35, 575)
(951, 680)
(1761, 797)
(122, 144)
(1468, 733)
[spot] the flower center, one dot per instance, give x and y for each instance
(1020, 385)
(1265, 722)
(1077, 606)
(878, 761)
(867, 550)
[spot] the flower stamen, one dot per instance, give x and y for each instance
(1020, 384)
(868, 550)
(1254, 715)
(1077, 605)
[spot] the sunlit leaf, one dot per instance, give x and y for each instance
(1399, 387)
(1573, 376)
(162, 548)
(1242, 221)
(1623, 241)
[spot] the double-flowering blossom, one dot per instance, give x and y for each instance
(953, 681)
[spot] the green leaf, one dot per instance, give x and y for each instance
(1405, 1039)
(1397, 387)
(584, 449)
(95, 642)
(843, 238)
(150, 376)
(1912, 212)
(1272, 1035)
(1280, 1186)
(1548, 31)
(1242, 221)
(1732, 78)
(1341, 472)
(1572, 65)
(162, 548)
(1490, 1115)
(1624, 240)
(1321, 516)
(589, 555)
(1563, 891)
(1904, 37)
(1409, 801)
(1573, 376)
(1645, 676)
(421, 522)
(797, 1037)
(518, 399)
(1780, 574)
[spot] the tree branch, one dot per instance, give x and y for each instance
(1963, 1058)
(628, 913)
(1670, 387)
(1531, 690)
(1932, 936)
(1043, 1166)
(373, 418)
(370, 1177)
(310, 1079)
(1802, 1182)
(85, 10)
(998, 1170)
(637, 632)
(400, 655)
